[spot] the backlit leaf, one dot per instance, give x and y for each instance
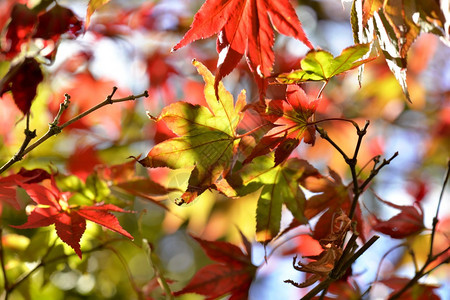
(290, 119)
(320, 65)
(22, 80)
(245, 27)
(92, 7)
(70, 221)
(279, 186)
(206, 136)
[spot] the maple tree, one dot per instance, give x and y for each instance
(296, 175)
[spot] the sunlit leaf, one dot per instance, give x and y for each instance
(245, 27)
(206, 137)
(320, 65)
(279, 186)
(92, 7)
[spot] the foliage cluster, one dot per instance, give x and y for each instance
(249, 163)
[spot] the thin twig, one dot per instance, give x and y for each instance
(333, 277)
(2, 262)
(352, 164)
(321, 89)
(324, 135)
(55, 129)
(127, 269)
(162, 281)
(375, 171)
(435, 219)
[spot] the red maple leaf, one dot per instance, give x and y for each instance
(57, 21)
(8, 184)
(407, 222)
(291, 118)
(419, 291)
(70, 221)
(245, 27)
(232, 275)
(19, 30)
(332, 197)
(82, 168)
(22, 80)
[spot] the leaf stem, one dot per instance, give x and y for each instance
(334, 119)
(252, 131)
(321, 89)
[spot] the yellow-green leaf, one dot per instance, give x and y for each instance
(206, 136)
(92, 7)
(320, 65)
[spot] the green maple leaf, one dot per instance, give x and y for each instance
(320, 65)
(206, 136)
(279, 186)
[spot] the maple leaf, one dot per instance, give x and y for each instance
(19, 30)
(332, 197)
(206, 137)
(22, 80)
(8, 184)
(406, 223)
(320, 65)
(396, 24)
(82, 168)
(291, 119)
(92, 7)
(279, 185)
(418, 291)
(69, 220)
(244, 27)
(232, 275)
(57, 21)
(321, 265)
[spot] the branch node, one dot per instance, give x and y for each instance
(109, 97)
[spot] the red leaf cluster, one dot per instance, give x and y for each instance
(70, 221)
(24, 76)
(27, 24)
(245, 27)
(333, 196)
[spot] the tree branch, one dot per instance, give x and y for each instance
(54, 128)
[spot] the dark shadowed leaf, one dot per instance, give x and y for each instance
(233, 275)
(407, 222)
(22, 80)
